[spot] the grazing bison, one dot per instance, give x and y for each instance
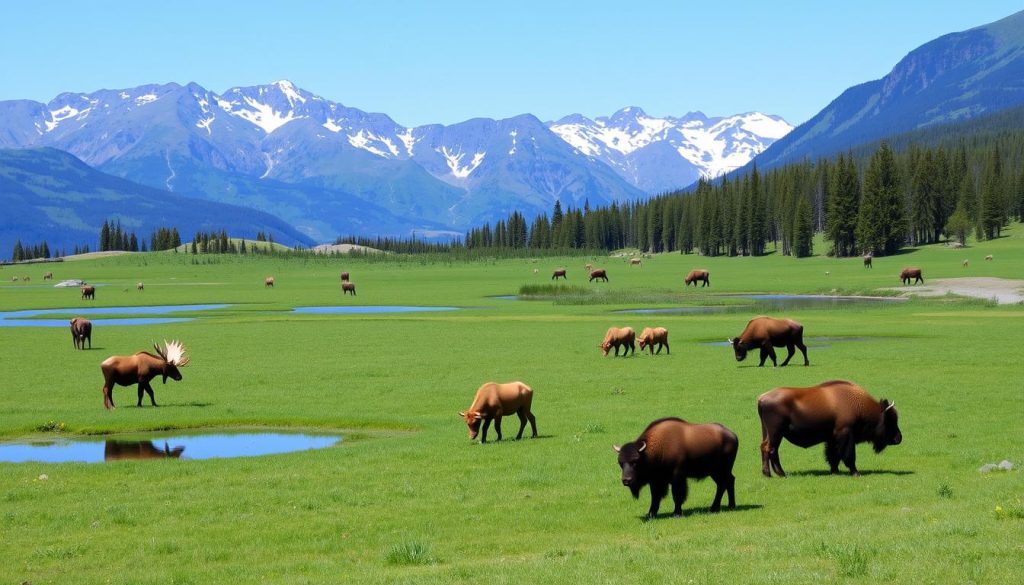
(140, 286)
(348, 287)
(268, 281)
(766, 334)
(696, 276)
(837, 413)
(140, 369)
(89, 292)
(493, 401)
(139, 450)
(911, 273)
(47, 276)
(616, 336)
(670, 451)
(867, 261)
(81, 331)
(557, 273)
(344, 276)
(652, 336)
(634, 262)
(600, 273)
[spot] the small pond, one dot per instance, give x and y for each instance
(363, 310)
(23, 318)
(183, 446)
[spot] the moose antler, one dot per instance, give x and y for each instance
(159, 352)
(174, 353)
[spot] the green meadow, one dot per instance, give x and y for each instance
(406, 497)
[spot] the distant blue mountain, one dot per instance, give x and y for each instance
(955, 77)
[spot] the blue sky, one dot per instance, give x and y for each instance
(423, 62)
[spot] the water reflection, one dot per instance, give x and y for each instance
(139, 450)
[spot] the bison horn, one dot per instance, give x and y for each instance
(462, 414)
(617, 448)
(643, 446)
(891, 404)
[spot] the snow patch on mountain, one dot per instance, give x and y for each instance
(454, 160)
(145, 99)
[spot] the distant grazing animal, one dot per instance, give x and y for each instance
(766, 333)
(344, 276)
(670, 451)
(600, 273)
(634, 262)
(827, 273)
(837, 413)
(89, 292)
(348, 287)
(696, 276)
(588, 267)
(268, 281)
(989, 257)
(493, 401)
(654, 336)
(140, 369)
(47, 276)
(557, 273)
(81, 331)
(140, 286)
(911, 273)
(867, 261)
(26, 278)
(113, 450)
(619, 336)
(965, 263)
(14, 279)
(536, 270)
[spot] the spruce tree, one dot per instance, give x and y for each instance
(881, 224)
(843, 205)
(991, 214)
(803, 237)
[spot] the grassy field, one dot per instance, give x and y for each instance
(407, 498)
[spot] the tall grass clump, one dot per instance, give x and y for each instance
(410, 552)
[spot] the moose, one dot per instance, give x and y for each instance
(670, 451)
(560, 272)
(114, 450)
(598, 274)
(696, 276)
(911, 273)
(619, 336)
(652, 336)
(493, 401)
(89, 292)
(867, 260)
(348, 287)
(837, 413)
(268, 281)
(81, 331)
(140, 368)
(766, 333)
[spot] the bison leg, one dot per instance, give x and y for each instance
(533, 423)
(803, 350)
(678, 496)
(483, 432)
(658, 490)
(108, 396)
(847, 449)
(667, 350)
(765, 353)
(832, 455)
(723, 484)
(631, 347)
(792, 350)
(522, 424)
(497, 426)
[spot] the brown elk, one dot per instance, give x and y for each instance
(89, 292)
(348, 287)
(559, 273)
(867, 260)
(140, 286)
(268, 281)
(344, 276)
(696, 276)
(652, 336)
(600, 274)
(47, 276)
(911, 273)
(634, 262)
(616, 337)
(81, 331)
(114, 450)
(140, 369)
(493, 401)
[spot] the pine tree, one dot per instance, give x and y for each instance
(992, 214)
(959, 223)
(881, 224)
(843, 205)
(105, 237)
(803, 237)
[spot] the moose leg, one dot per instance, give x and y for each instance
(149, 390)
(497, 426)
(678, 496)
(792, 350)
(658, 490)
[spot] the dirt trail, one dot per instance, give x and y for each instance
(1003, 290)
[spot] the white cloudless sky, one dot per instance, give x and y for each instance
(444, 62)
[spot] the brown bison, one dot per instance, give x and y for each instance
(766, 334)
(81, 330)
(493, 401)
(867, 261)
(140, 369)
(348, 287)
(600, 273)
(140, 286)
(47, 276)
(619, 336)
(634, 262)
(670, 451)
(344, 276)
(268, 281)
(113, 450)
(696, 276)
(652, 336)
(559, 273)
(911, 273)
(89, 292)
(837, 413)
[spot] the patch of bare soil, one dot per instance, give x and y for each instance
(1003, 291)
(341, 248)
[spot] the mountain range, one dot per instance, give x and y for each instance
(329, 169)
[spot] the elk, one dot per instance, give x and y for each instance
(89, 292)
(867, 260)
(141, 368)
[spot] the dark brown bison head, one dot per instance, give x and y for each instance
(642, 341)
(472, 419)
(738, 348)
(888, 431)
(631, 458)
